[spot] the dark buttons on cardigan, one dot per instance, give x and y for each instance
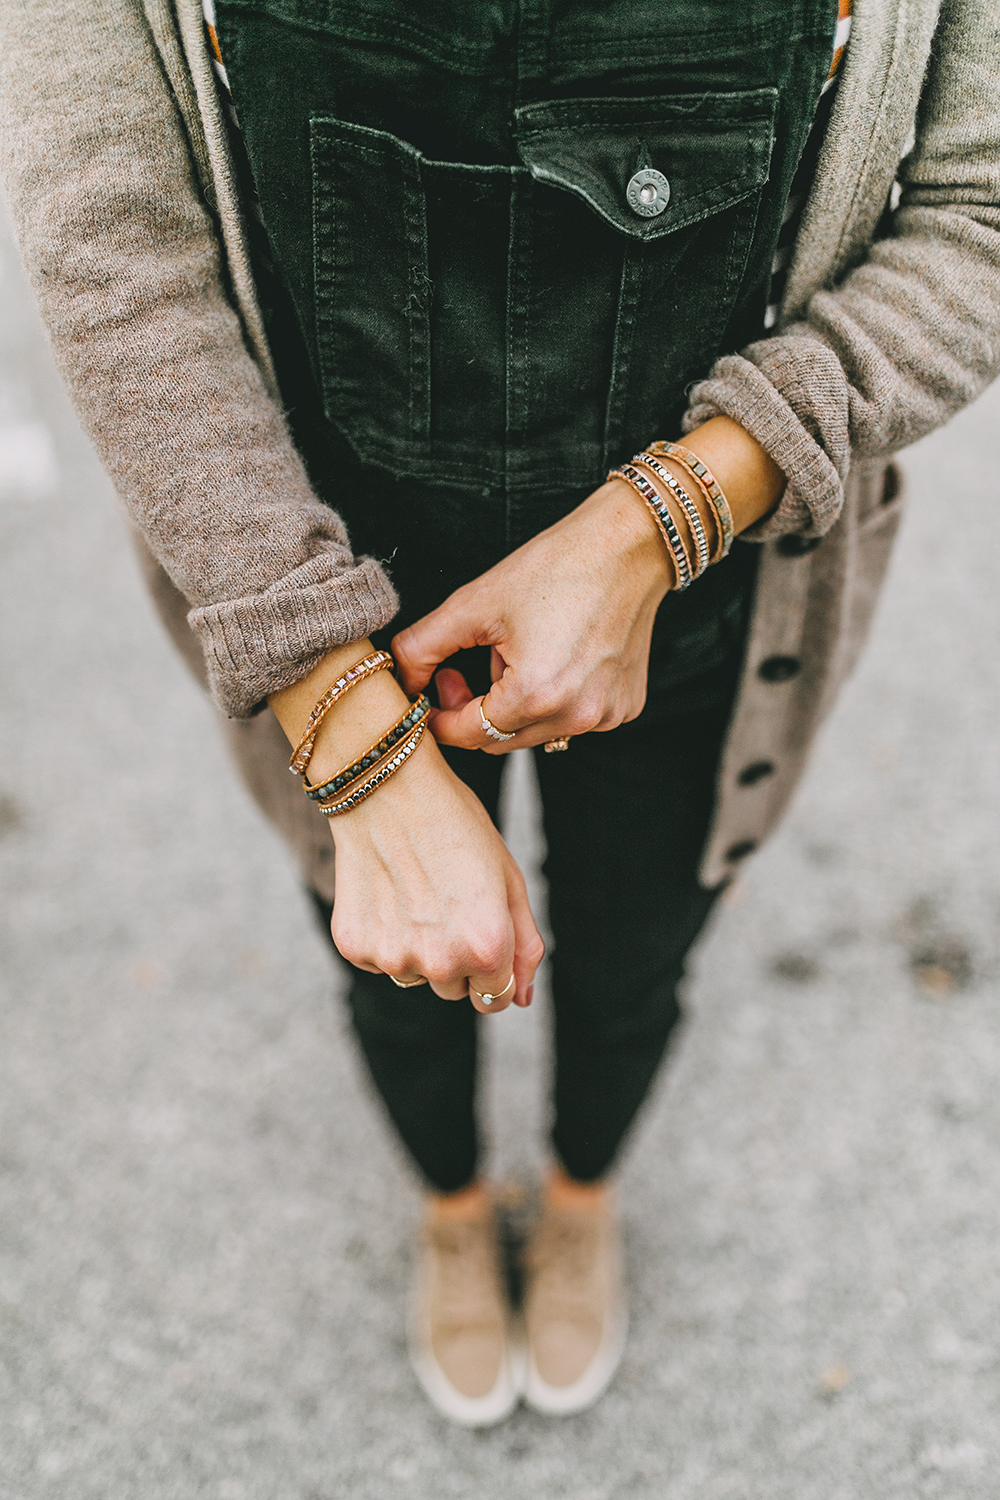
(797, 546)
(756, 771)
(779, 668)
(648, 193)
(739, 851)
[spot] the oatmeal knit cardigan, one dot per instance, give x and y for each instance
(115, 162)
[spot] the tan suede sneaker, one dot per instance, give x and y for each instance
(574, 1311)
(461, 1341)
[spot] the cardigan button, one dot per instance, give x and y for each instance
(648, 193)
(797, 546)
(779, 668)
(757, 770)
(739, 851)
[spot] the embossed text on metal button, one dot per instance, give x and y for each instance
(648, 193)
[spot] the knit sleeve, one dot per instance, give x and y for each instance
(909, 336)
(124, 258)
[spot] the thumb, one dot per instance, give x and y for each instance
(529, 949)
(454, 626)
(453, 690)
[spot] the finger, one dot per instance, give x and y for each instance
(452, 688)
(496, 982)
(409, 980)
(453, 626)
(497, 985)
(463, 727)
(453, 989)
(529, 949)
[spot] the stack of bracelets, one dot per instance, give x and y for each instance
(689, 546)
(357, 781)
(687, 542)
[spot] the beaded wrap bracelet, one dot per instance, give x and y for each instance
(687, 505)
(666, 522)
(387, 768)
(709, 484)
(416, 713)
(302, 754)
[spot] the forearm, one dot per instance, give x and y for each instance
(750, 479)
(125, 262)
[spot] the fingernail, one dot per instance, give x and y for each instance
(528, 994)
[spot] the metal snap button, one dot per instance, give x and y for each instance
(648, 193)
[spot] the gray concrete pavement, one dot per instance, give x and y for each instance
(204, 1227)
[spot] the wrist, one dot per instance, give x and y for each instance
(398, 801)
(750, 479)
(626, 524)
(353, 724)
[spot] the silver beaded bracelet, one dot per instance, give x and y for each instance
(387, 769)
(686, 503)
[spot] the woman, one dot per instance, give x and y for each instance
(436, 277)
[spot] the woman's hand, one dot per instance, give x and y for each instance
(426, 887)
(569, 615)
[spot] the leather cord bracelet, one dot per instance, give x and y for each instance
(414, 715)
(687, 505)
(661, 513)
(388, 767)
(703, 474)
(302, 754)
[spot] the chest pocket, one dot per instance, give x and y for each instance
(525, 324)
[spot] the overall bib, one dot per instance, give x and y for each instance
(474, 314)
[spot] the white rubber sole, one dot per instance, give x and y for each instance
(567, 1400)
(468, 1411)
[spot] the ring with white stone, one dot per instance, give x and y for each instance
(491, 729)
(488, 999)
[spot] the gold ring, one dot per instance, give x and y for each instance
(488, 999)
(491, 729)
(562, 743)
(407, 984)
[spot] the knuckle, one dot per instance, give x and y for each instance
(403, 643)
(354, 953)
(535, 950)
(582, 720)
(442, 968)
(348, 942)
(489, 952)
(539, 703)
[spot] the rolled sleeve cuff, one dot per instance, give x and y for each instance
(738, 389)
(261, 643)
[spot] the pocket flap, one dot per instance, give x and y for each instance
(713, 149)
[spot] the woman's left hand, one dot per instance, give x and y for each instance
(569, 617)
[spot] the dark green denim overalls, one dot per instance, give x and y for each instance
(474, 315)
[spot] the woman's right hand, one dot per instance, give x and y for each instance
(426, 887)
